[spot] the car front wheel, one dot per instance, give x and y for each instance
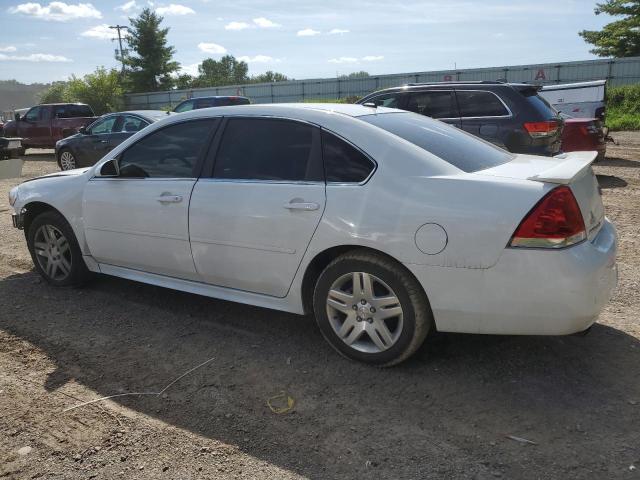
(371, 309)
(67, 160)
(55, 250)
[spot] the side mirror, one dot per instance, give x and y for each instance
(18, 117)
(82, 130)
(110, 168)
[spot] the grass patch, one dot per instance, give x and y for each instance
(623, 107)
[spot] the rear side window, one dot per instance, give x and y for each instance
(204, 103)
(73, 111)
(460, 149)
(224, 102)
(390, 100)
(433, 104)
(269, 149)
(171, 152)
(342, 162)
(132, 124)
(480, 104)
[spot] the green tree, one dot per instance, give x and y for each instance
(54, 94)
(101, 89)
(226, 71)
(151, 67)
(360, 74)
(620, 38)
(184, 81)
(269, 77)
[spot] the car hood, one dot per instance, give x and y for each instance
(65, 173)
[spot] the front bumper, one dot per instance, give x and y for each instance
(528, 291)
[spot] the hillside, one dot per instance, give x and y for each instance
(14, 94)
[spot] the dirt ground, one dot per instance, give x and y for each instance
(446, 413)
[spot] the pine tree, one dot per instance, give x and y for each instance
(620, 38)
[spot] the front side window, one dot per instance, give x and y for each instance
(269, 149)
(390, 100)
(171, 152)
(434, 104)
(131, 124)
(344, 163)
(33, 115)
(480, 104)
(459, 148)
(104, 125)
(184, 106)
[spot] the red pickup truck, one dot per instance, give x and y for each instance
(43, 125)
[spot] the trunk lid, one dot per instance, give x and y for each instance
(572, 169)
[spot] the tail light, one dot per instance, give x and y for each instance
(542, 129)
(555, 222)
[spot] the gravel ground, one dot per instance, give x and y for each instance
(447, 413)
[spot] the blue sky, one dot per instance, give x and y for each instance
(45, 41)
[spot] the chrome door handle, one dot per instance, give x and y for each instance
(104, 141)
(169, 198)
(309, 206)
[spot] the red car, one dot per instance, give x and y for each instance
(584, 134)
(43, 125)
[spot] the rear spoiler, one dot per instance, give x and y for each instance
(571, 165)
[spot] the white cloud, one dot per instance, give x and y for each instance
(8, 48)
(128, 7)
(102, 32)
(236, 26)
(265, 23)
(372, 58)
(175, 9)
(34, 57)
(212, 48)
(259, 59)
(308, 32)
(191, 69)
(337, 31)
(57, 11)
(343, 60)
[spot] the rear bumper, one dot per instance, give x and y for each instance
(528, 291)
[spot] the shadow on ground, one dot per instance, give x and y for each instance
(444, 413)
(611, 181)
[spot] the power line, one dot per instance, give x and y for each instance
(118, 28)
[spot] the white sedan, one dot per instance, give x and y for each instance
(386, 225)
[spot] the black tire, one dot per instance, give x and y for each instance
(417, 318)
(78, 273)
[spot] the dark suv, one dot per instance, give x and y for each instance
(510, 115)
(206, 102)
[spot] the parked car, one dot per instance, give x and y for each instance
(510, 115)
(579, 100)
(91, 143)
(385, 224)
(43, 125)
(206, 102)
(584, 135)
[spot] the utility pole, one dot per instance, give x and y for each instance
(118, 28)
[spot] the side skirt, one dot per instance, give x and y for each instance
(222, 293)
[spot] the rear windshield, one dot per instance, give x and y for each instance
(460, 149)
(540, 104)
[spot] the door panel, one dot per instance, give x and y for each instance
(252, 235)
(35, 127)
(484, 115)
(128, 224)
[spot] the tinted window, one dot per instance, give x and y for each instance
(269, 149)
(78, 111)
(480, 104)
(184, 106)
(225, 101)
(104, 125)
(451, 144)
(171, 152)
(391, 100)
(433, 104)
(541, 105)
(203, 103)
(342, 162)
(132, 124)
(33, 115)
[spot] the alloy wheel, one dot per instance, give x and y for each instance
(67, 160)
(364, 312)
(53, 252)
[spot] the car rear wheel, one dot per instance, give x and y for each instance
(371, 309)
(55, 250)
(67, 160)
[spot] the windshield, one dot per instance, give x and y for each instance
(460, 149)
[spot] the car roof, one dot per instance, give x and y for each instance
(217, 96)
(295, 110)
(153, 115)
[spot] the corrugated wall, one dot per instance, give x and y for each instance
(620, 71)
